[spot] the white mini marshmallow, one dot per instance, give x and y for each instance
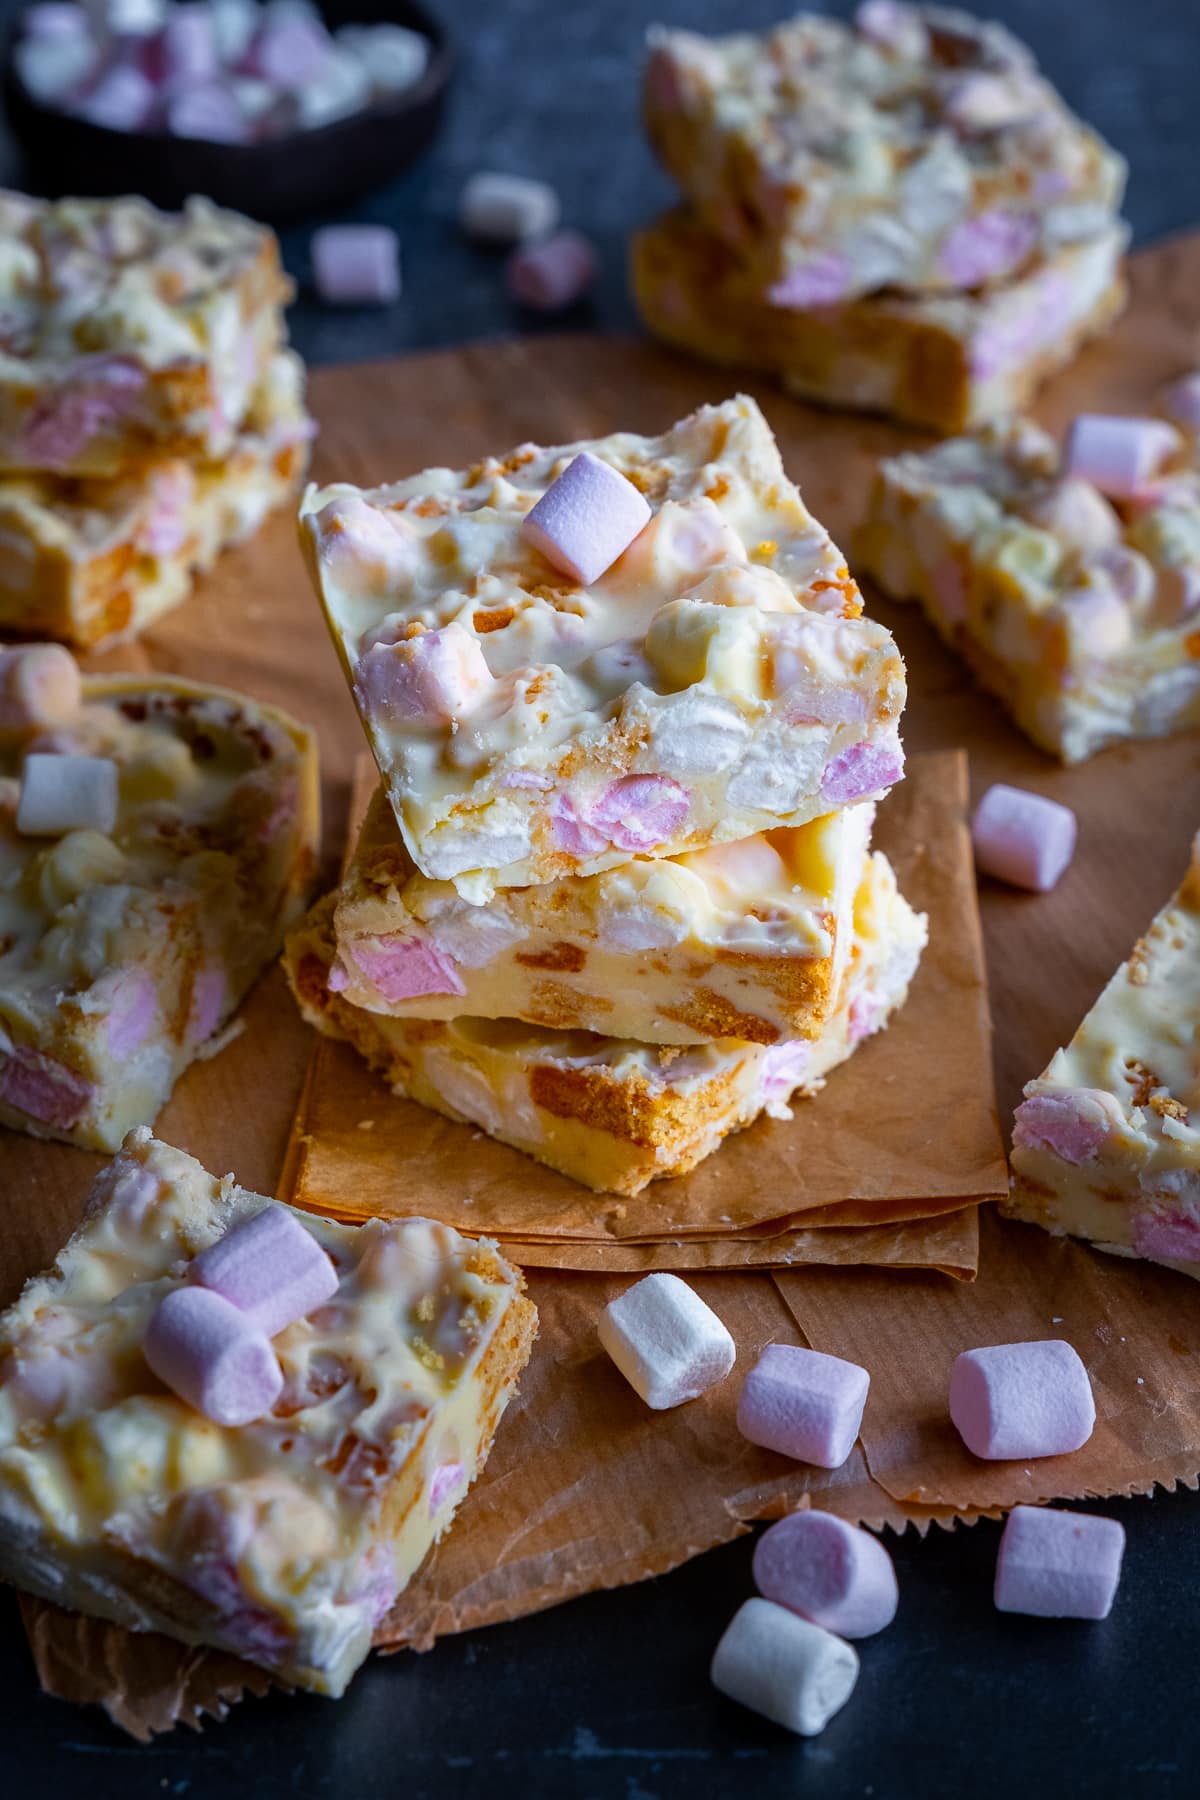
(783, 1667)
(507, 209)
(554, 273)
(67, 793)
(394, 57)
(343, 87)
(586, 519)
(666, 1342)
(52, 68)
(234, 23)
(1023, 838)
(356, 265)
(210, 112)
(1118, 455)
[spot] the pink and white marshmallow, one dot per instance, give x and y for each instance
(784, 1667)
(586, 518)
(1118, 455)
(863, 770)
(402, 968)
(356, 265)
(1058, 1565)
(1078, 514)
(426, 680)
(803, 1404)
(553, 274)
(1013, 1401)
(987, 247)
(122, 100)
(40, 688)
(209, 112)
(213, 1356)
(187, 47)
(1073, 1123)
(270, 1268)
(67, 793)
(669, 1345)
(835, 1574)
(1023, 838)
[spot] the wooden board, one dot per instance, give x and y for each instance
(255, 626)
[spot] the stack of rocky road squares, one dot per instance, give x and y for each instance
(899, 215)
(150, 412)
(615, 897)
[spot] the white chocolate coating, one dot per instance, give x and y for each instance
(835, 164)
(284, 1540)
(1107, 1142)
(713, 682)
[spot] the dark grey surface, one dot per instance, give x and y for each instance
(608, 1696)
(551, 89)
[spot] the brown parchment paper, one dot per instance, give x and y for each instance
(254, 625)
(867, 1138)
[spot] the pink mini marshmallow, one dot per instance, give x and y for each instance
(833, 1573)
(132, 1010)
(55, 19)
(214, 1357)
(979, 101)
(102, 391)
(356, 265)
(405, 968)
(862, 770)
(186, 48)
(1118, 455)
(40, 688)
(1072, 1125)
(1173, 1238)
(1180, 402)
(783, 1069)
(586, 518)
(1058, 1565)
(270, 1268)
(45, 1089)
(991, 245)
(640, 812)
(893, 26)
(290, 50)
(426, 680)
(1023, 838)
(822, 281)
(804, 1404)
(122, 100)
(209, 113)
(1014, 1401)
(447, 1479)
(554, 273)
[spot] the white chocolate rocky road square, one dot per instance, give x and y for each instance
(1106, 1143)
(715, 680)
(1079, 612)
(611, 1113)
(286, 1539)
(747, 940)
(918, 149)
(949, 361)
(127, 333)
(156, 839)
(92, 559)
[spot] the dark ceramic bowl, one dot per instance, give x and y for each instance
(305, 172)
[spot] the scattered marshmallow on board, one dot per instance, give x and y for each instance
(803, 1404)
(1022, 838)
(1014, 1401)
(783, 1667)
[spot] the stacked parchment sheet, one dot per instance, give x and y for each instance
(150, 411)
(616, 897)
(898, 215)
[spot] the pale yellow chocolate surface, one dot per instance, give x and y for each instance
(746, 940)
(122, 954)
(949, 361)
(1130, 1178)
(1088, 640)
(170, 317)
(816, 145)
(284, 1540)
(610, 1113)
(90, 560)
(723, 654)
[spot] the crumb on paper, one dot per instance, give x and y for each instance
(365, 1125)
(221, 1041)
(1141, 1381)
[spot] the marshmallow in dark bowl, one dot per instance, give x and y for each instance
(273, 105)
